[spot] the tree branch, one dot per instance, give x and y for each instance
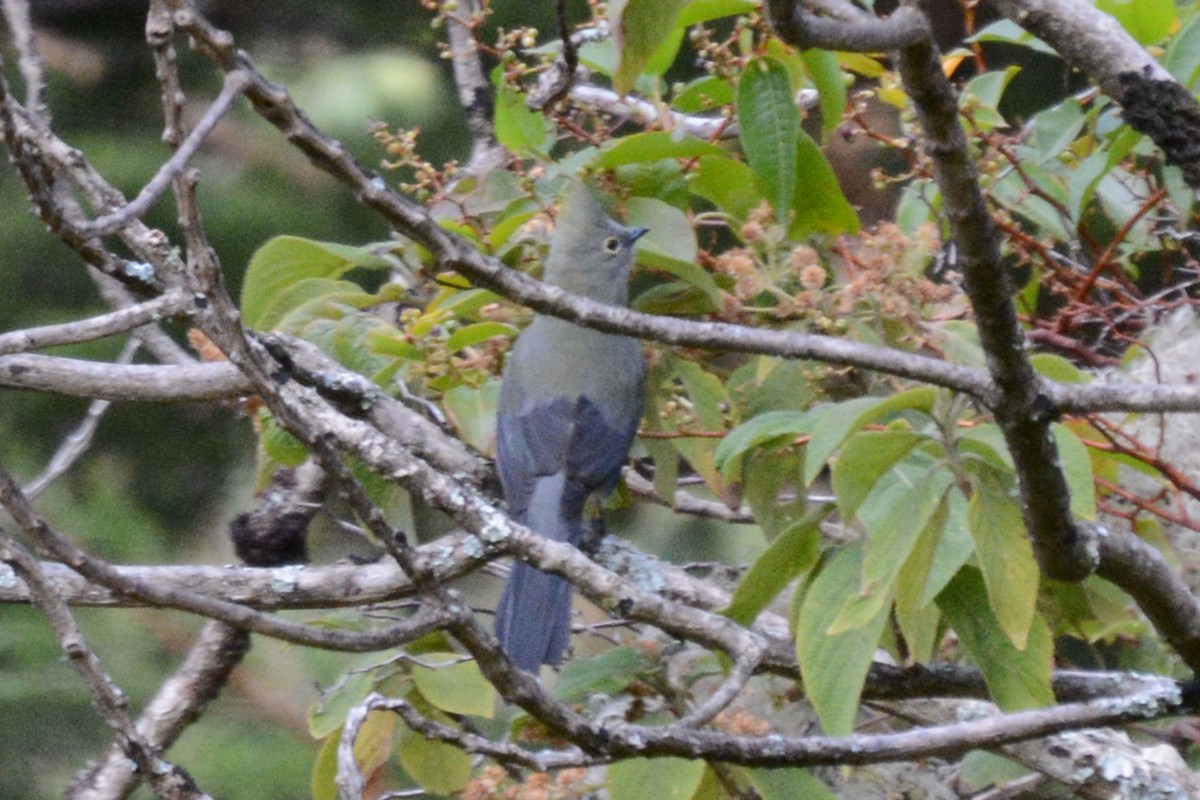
(1096, 44)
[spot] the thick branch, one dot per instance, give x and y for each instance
(137, 382)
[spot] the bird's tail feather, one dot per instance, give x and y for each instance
(533, 620)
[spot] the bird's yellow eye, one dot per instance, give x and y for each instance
(612, 244)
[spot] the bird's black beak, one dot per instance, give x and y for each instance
(637, 233)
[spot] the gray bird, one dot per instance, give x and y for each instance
(570, 404)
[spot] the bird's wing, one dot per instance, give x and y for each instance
(555, 435)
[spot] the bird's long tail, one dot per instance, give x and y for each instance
(533, 620)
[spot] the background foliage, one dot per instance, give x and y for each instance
(821, 218)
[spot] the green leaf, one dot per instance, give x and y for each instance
(953, 549)
(981, 96)
(839, 420)
(834, 667)
(477, 333)
(287, 260)
(472, 411)
(280, 445)
(438, 767)
(454, 686)
(826, 74)
(653, 146)
(793, 552)
(917, 617)
(789, 783)
(818, 202)
(638, 28)
(863, 460)
(987, 442)
(771, 487)
(1015, 678)
(703, 94)
(324, 774)
(1182, 58)
(981, 769)
(728, 184)
(306, 300)
(1077, 469)
(372, 749)
(658, 778)
(1009, 32)
(1148, 21)
(517, 127)
(1052, 131)
(758, 431)
(329, 713)
(699, 11)
(608, 673)
(670, 246)
(1057, 368)
(708, 397)
(674, 299)
(670, 232)
(891, 535)
(769, 129)
(1005, 555)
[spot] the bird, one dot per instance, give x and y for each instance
(571, 399)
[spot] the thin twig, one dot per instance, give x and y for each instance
(77, 442)
(235, 84)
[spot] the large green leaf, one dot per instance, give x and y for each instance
(652, 146)
(834, 666)
(639, 28)
(919, 618)
(793, 552)
(826, 74)
(817, 200)
(863, 460)
(517, 127)
(728, 184)
(329, 713)
(1005, 555)
(1015, 678)
(287, 260)
(439, 768)
(758, 431)
(839, 420)
(708, 398)
(608, 673)
(1077, 469)
(953, 549)
(454, 685)
(658, 778)
(670, 232)
(771, 487)
(891, 535)
(769, 129)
